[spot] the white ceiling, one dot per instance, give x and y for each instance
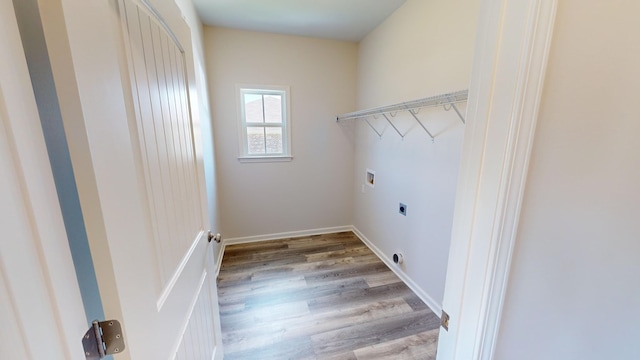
(347, 20)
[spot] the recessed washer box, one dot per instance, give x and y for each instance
(370, 178)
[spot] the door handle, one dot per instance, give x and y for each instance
(217, 237)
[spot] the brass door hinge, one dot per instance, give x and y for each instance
(102, 339)
(444, 320)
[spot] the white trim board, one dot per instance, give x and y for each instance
(218, 264)
(286, 235)
(428, 300)
(510, 58)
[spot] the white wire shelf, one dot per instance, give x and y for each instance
(447, 101)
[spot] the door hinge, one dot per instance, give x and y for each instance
(444, 320)
(103, 338)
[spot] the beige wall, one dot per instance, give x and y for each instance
(574, 288)
(314, 190)
(424, 49)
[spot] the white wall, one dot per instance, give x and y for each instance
(204, 113)
(574, 289)
(314, 190)
(424, 49)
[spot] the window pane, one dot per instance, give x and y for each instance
(253, 108)
(273, 108)
(255, 140)
(274, 140)
(264, 121)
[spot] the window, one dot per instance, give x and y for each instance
(264, 123)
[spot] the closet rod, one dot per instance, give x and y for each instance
(438, 100)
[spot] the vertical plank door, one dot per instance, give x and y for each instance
(124, 75)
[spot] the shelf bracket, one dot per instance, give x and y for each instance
(374, 129)
(393, 126)
(453, 105)
(421, 124)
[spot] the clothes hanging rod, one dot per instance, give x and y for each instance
(438, 100)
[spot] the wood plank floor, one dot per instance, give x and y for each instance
(319, 297)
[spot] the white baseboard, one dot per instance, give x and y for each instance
(286, 235)
(428, 300)
(218, 263)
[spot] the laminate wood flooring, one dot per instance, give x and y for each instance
(319, 297)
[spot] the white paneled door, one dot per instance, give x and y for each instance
(124, 75)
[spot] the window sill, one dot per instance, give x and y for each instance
(255, 159)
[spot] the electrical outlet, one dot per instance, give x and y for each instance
(402, 209)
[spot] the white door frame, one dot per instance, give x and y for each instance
(43, 313)
(512, 45)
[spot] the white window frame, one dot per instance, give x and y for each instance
(283, 91)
